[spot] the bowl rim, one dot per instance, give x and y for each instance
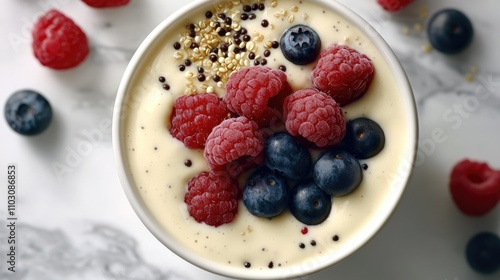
(141, 210)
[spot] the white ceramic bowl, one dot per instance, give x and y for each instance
(309, 266)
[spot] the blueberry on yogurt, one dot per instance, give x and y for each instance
(285, 155)
(309, 203)
(300, 44)
(337, 172)
(265, 194)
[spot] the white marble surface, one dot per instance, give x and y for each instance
(77, 224)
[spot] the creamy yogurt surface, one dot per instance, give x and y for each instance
(161, 166)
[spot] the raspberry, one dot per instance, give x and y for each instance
(394, 5)
(194, 117)
(58, 42)
(475, 187)
(250, 91)
(315, 116)
(106, 3)
(212, 198)
(236, 139)
(343, 73)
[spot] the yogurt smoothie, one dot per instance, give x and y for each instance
(161, 166)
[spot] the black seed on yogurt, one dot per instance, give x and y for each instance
(267, 53)
(256, 62)
(264, 61)
(177, 45)
(255, 7)
(264, 23)
(244, 16)
(251, 55)
(216, 78)
(252, 16)
(365, 166)
(222, 16)
(247, 264)
(166, 86)
(243, 30)
(192, 33)
(188, 163)
(335, 238)
(209, 14)
(201, 77)
(213, 57)
(182, 67)
(161, 79)
(228, 20)
(246, 37)
(313, 242)
(194, 45)
(247, 8)
(282, 68)
(262, 7)
(302, 245)
(187, 62)
(275, 44)
(270, 265)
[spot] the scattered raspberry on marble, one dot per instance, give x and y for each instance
(315, 116)
(233, 139)
(343, 73)
(393, 5)
(194, 117)
(474, 187)
(58, 42)
(212, 198)
(250, 92)
(106, 3)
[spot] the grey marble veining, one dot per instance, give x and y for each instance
(75, 222)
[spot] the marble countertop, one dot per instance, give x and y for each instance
(76, 223)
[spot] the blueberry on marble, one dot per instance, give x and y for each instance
(364, 138)
(309, 203)
(28, 112)
(483, 252)
(337, 172)
(286, 156)
(300, 44)
(450, 31)
(265, 193)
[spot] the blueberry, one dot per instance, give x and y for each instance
(265, 194)
(300, 44)
(285, 155)
(364, 138)
(450, 31)
(309, 203)
(337, 172)
(483, 252)
(28, 112)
